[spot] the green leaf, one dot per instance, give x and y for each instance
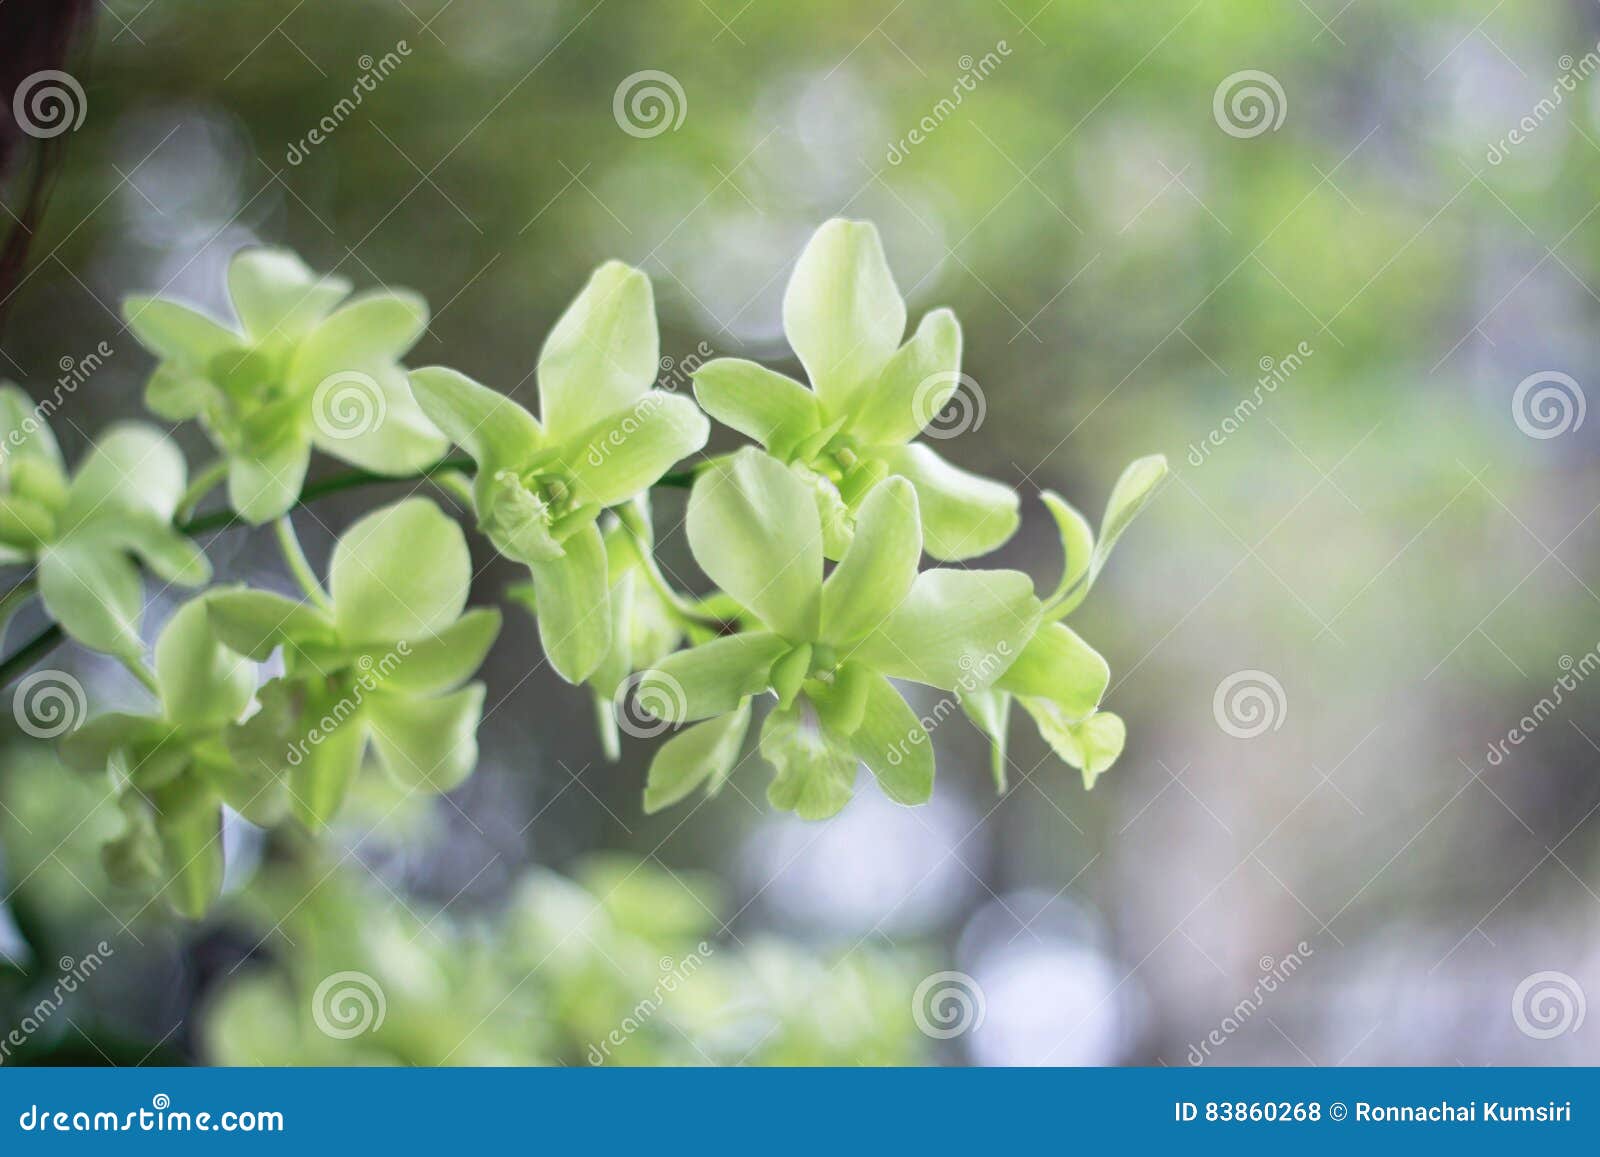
(602, 354)
(24, 525)
(95, 595)
(1077, 541)
(990, 710)
(1133, 491)
(754, 530)
(705, 752)
(816, 770)
(255, 623)
(878, 569)
(955, 629)
(626, 452)
(402, 572)
(437, 663)
(132, 467)
(892, 743)
(919, 380)
(176, 333)
(1059, 666)
(963, 515)
(498, 433)
(775, 410)
(202, 682)
(574, 606)
(710, 679)
(430, 744)
(277, 297)
(842, 312)
(263, 485)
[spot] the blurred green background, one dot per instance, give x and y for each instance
(1392, 532)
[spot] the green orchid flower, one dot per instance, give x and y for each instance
(1083, 736)
(305, 368)
(84, 534)
(606, 437)
(827, 648)
(381, 658)
(173, 771)
(870, 397)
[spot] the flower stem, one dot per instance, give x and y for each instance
(294, 556)
(204, 483)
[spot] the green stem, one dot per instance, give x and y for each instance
(294, 556)
(136, 667)
(633, 522)
(204, 483)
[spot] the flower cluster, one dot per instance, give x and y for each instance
(814, 539)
